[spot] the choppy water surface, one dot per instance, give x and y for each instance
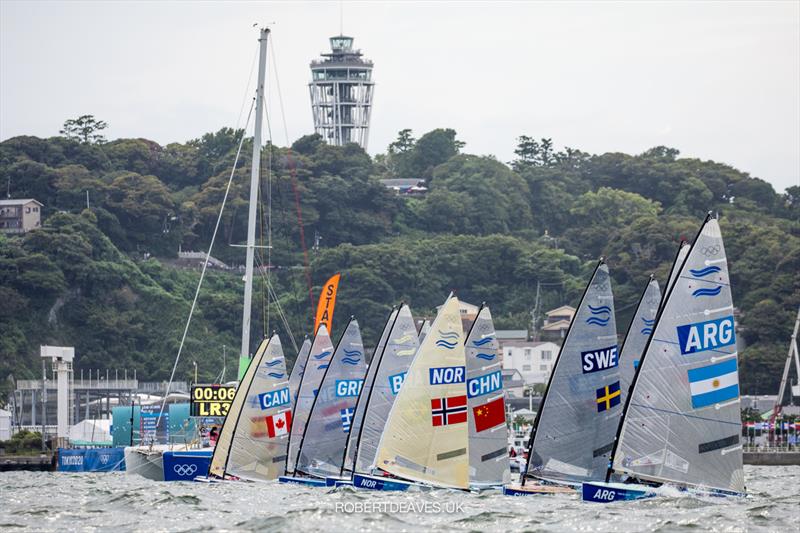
(61, 501)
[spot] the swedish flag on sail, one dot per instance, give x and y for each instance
(608, 396)
(714, 383)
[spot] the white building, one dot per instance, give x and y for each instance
(19, 216)
(533, 360)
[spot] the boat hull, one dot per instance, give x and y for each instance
(536, 489)
(144, 462)
(307, 481)
(599, 492)
(361, 481)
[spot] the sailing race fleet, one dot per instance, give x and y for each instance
(657, 416)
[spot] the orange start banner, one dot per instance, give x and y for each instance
(327, 302)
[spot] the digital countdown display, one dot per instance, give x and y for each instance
(211, 400)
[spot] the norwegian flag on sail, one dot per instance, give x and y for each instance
(279, 424)
(446, 411)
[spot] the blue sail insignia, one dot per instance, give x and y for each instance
(322, 355)
(275, 362)
(707, 292)
(444, 344)
(703, 272)
(276, 375)
(350, 360)
(483, 342)
(486, 356)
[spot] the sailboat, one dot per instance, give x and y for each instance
(639, 331)
(253, 441)
(318, 360)
(489, 465)
(574, 429)
(426, 438)
(424, 329)
(300, 363)
(346, 472)
(681, 422)
(324, 438)
(375, 404)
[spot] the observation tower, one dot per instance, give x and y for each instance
(341, 94)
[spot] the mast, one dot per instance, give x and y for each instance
(244, 355)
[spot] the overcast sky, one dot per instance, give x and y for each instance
(717, 80)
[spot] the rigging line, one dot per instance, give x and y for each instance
(293, 174)
(247, 87)
(205, 264)
(273, 294)
(269, 204)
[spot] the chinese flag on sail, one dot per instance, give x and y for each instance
(489, 415)
(279, 424)
(327, 301)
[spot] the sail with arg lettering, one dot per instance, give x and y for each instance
(682, 422)
(325, 437)
(574, 430)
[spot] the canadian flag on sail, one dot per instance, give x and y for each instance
(279, 424)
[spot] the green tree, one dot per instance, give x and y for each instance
(85, 129)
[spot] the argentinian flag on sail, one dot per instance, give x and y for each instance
(714, 383)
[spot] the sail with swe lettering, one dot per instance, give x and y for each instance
(358, 418)
(252, 444)
(297, 370)
(639, 331)
(330, 422)
(574, 430)
(401, 347)
(682, 422)
(318, 360)
(488, 431)
(426, 435)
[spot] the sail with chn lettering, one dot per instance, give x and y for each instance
(574, 430)
(488, 432)
(426, 436)
(325, 437)
(253, 440)
(682, 422)
(369, 380)
(318, 360)
(401, 346)
(639, 331)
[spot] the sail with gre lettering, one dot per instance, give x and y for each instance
(401, 346)
(426, 435)
(574, 429)
(252, 444)
(323, 442)
(297, 370)
(318, 360)
(682, 422)
(639, 331)
(488, 432)
(358, 419)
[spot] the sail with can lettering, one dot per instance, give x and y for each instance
(424, 330)
(297, 370)
(401, 346)
(682, 422)
(488, 431)
(426, 438)
(574, 429)
(318, 360)
(639, 331)
(358, 419)
(325, 437)
(253, 440)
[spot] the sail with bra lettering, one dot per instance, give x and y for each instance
(318, 360)
(297, 370)
(325, 437)
(488, 431)
(401, 347)
(252, 444)
(426, 438)
(358, 418)
(639, 330)
(574, 430)
(682, 422)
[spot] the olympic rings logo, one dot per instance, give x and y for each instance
(710, 250)
(185, 470)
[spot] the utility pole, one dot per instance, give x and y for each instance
(535, 314)
(244, 354)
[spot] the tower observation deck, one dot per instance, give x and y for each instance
(341, 94)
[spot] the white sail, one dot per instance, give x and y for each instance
(325, 437)
(401, 346)
(424, 330)
(297, 370)
(247, 447)
(639, 331)
(358, 419)
(573, 433)
(318, 360)
(680, 257)
(488, 431)
(426, 435)
(682, 422)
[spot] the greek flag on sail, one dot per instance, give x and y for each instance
(714, 383)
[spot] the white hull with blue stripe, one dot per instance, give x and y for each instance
(307, 481)
(601, 492)
(361, 481)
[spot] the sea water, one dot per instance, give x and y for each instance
(37, 501)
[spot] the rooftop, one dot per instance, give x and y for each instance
(20, 201)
